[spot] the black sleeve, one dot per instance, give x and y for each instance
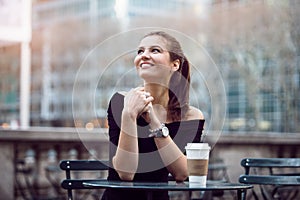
(114, 113)
(187, 132)
(199, 133)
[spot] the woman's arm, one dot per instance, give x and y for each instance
(172, 156)
(125, 161)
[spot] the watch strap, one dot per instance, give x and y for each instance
(157, 133)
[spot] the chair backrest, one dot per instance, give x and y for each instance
(271, 178)
(70, 166)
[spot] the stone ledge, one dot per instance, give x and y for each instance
(53, 134)
(268, 138)
(73, 134)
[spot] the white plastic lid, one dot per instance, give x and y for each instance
(197, 146)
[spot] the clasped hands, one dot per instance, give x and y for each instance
(139, 103)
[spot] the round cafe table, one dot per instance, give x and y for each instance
(150, 187)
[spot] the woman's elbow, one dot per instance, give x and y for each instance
(125, 173)
(181, 177)
(124, 176)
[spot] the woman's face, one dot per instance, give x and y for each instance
(153, 60)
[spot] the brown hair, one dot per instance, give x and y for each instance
(179, 84)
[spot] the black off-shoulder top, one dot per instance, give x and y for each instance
(151, 167)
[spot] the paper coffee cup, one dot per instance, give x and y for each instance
(197, 158)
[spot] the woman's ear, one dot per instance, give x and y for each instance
(176, 65)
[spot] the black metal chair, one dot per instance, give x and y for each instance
(73, 180)
(277, 178)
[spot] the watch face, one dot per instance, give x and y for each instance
(165, 131)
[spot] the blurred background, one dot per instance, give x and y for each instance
(254, 45)
(62, 60)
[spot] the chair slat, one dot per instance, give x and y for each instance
(75, 183)
(83, 165)
(271, 162)
(270, 180)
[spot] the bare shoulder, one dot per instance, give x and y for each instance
(194, 113)
(122, 93)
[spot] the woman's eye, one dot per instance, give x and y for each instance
(140, 51)
(156, 50)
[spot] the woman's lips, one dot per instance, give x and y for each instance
(146, 65)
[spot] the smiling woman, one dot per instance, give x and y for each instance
(150, 125)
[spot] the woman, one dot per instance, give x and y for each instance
(150, 125)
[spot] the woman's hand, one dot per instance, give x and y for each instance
(137, 101)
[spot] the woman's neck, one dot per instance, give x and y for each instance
(159, 93)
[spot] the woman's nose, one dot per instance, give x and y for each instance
(145, 55)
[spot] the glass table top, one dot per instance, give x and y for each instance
(171, 185)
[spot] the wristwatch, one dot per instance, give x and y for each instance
(163, 131)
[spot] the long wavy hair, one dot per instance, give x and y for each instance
(179, 85)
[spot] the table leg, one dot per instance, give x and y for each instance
(149, 195)
(241, 194)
